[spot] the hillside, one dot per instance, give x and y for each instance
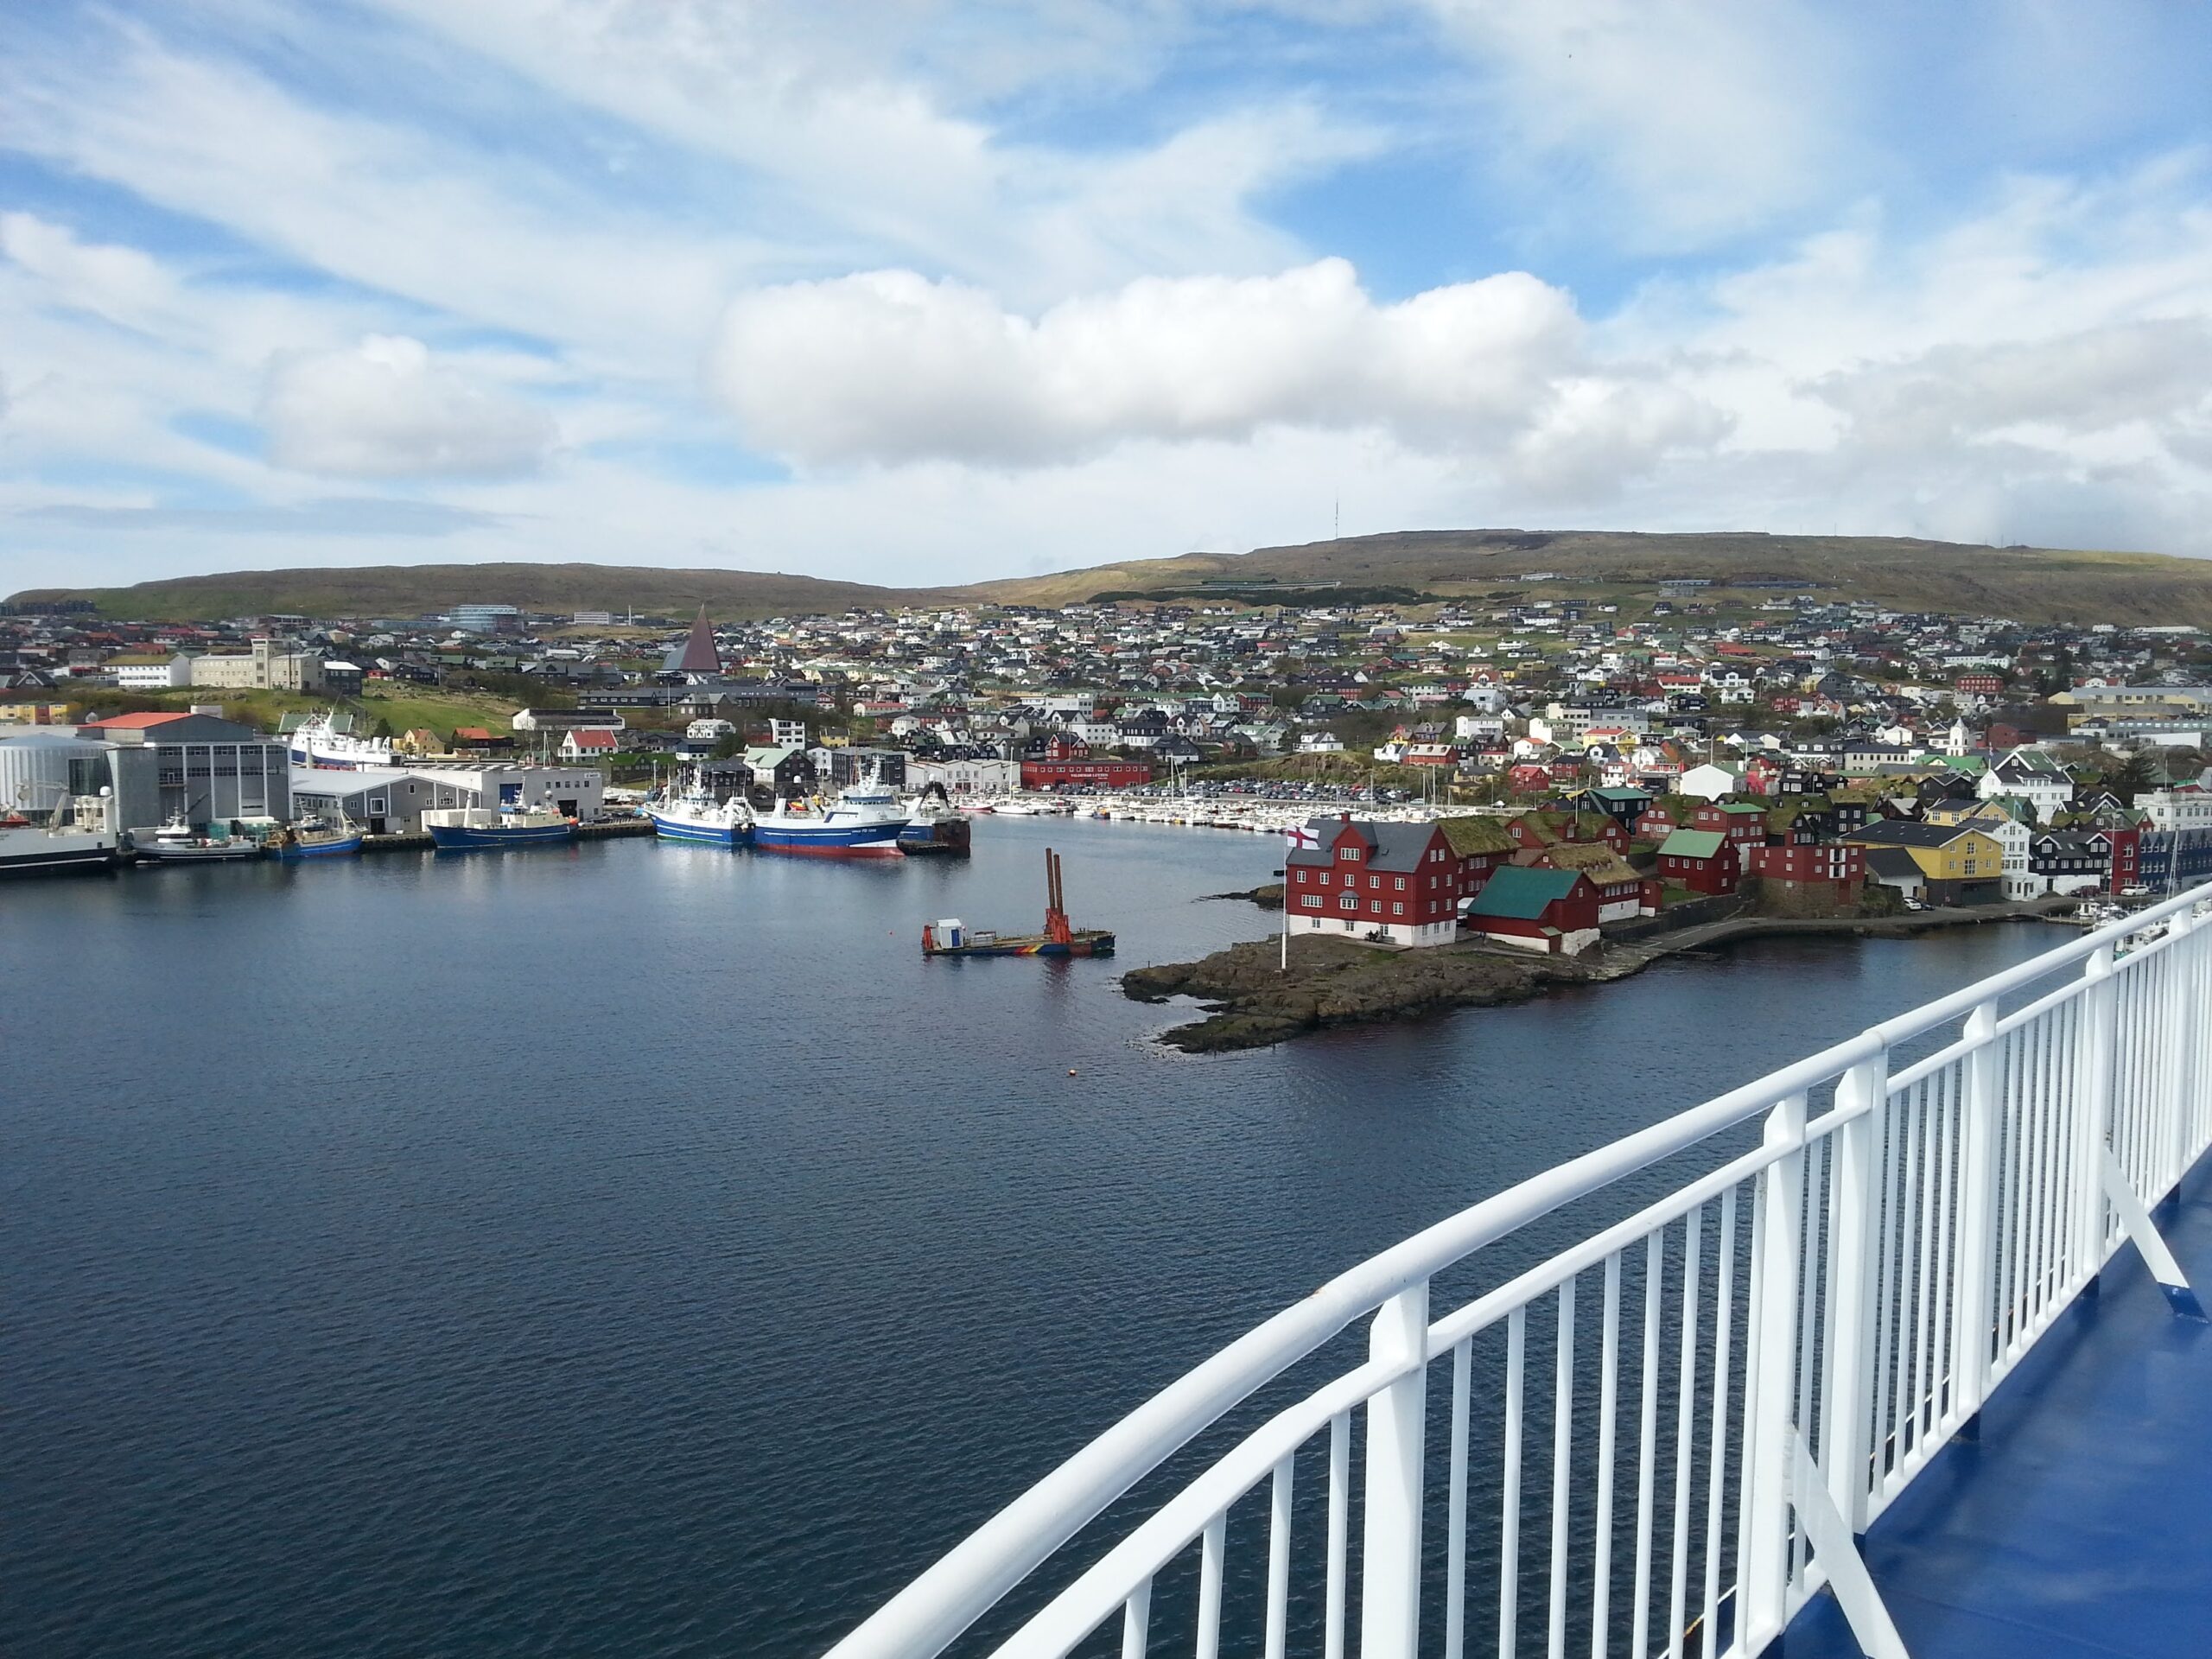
(2030, 584)
(407, 590)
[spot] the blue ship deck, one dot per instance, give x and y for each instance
(2081, 1524)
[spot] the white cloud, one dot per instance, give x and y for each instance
(887, 367)
(385, 409)
(1701, 118)
(847, 122)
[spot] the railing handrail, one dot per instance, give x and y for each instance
(939, 1604)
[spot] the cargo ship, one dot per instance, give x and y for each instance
(864, 820)
(482, 829)
(952, 938)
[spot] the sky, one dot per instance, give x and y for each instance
(921, 291)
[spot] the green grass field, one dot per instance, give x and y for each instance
(404, 707)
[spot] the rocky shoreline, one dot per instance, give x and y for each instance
(1249, 1001)
(1332, 981)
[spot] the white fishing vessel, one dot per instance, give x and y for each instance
(80, 834)
(864, 820)
(326, 741)
(178, 841)
(693, 814)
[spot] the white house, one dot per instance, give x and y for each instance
(1319, 743)
(151, 674)
(1709, 783)
(2032, 775)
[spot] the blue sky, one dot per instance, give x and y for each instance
(935, 291)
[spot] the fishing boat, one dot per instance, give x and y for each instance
(864, 820)
(178, 842)
(934, 829)
(79, 836)
(484, 829)
(694, 815)
(323, 741)
(317, 837)
(952, 938)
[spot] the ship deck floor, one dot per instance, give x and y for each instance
(2081, 1522)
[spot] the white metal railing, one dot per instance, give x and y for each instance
(1743, 1373)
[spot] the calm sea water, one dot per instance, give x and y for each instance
(640, 1248)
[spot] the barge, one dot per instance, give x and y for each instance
(952, 938)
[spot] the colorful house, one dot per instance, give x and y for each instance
(1959, 864)
(1704, 860)
(1552, 911)
(1401, 882)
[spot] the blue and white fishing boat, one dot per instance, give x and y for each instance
(864, 822)
(316, 837)
(483, 829)
(695, 815)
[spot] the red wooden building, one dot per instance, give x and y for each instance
(1402, 882)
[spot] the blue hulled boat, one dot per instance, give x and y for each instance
(313, 838)
(478, 829)
(865, 821)
(696, 815)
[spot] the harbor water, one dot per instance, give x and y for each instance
(640, 1248)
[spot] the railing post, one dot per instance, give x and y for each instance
(1767, 1447)
(2183, 1018)
(2101, 1033)
(1855, 1200)
(1390, 1614)
(1973, 1306)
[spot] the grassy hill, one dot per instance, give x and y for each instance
(407, 590)
(2030, 584)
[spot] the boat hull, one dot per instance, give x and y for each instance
(828, 841)
(72, 861)
(458, 838)
(230, 854)
(344, 849)
(1083, 944)
(946, 838)
(705, 834)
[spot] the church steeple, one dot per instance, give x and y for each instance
(700, 659)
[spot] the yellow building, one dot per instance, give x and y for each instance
(1956, 862)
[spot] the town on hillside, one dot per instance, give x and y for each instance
(1532, 769)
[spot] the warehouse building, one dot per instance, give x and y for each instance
(199, 767)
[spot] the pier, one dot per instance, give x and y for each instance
(1909, 1360)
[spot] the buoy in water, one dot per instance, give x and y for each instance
(1070, 1070)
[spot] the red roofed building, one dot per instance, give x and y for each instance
(584, 743)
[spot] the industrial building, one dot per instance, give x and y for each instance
(199, 767)
(41, 769)
(391, 800)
